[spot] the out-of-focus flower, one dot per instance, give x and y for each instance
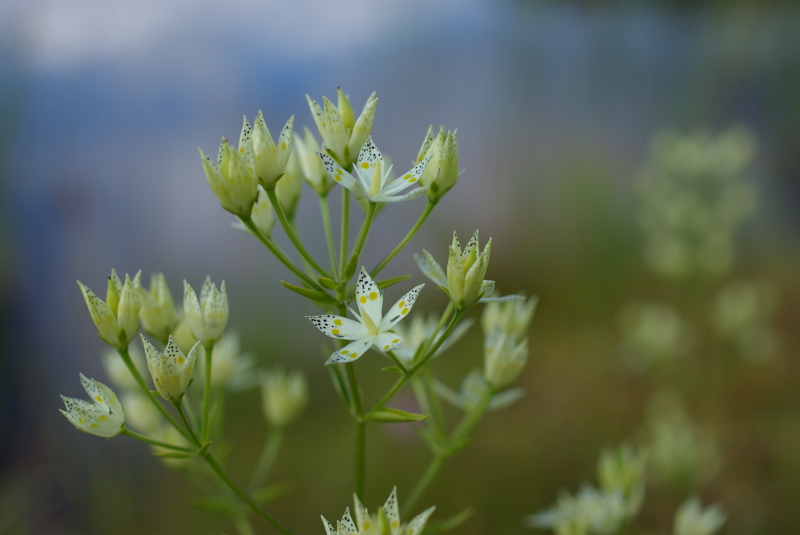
(741, 313)
(372, 327)
(230, 367)
(419, 330)
(158, 314)
(290, 186)
(623, 470)
(103, 417)
(472, 391)
(589, 511)
(283, 395)
(116, 318)
(692, 519)
(512, 316)
(653, 332)
(504, 358)
(311, 164)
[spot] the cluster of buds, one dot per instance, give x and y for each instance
(442, 172)
(116, 318)
(694, 195)
(343, 134)
(692, 519)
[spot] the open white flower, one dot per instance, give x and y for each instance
(372, 327)
(103, 417)
(372, 181)
(386, 520)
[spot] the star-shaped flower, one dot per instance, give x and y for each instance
(372, 327)
(385, 521)
(372, 181)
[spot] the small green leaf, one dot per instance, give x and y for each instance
(314, 295)
(174, 455)
(449, 524)
(393, 416)
(350, 268)
(389, 282)
(327, 282)
(393, 369)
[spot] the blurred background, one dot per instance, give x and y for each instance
(103, 106)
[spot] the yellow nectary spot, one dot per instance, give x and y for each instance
(339, 171)
(395, 524)
(337, 322)
(334, 331)
(99, 398)
(401, 304)
(366, 525)
(80, 421)
(407, 176)
(387, 346)
(404, 311)
(373, 296)
(363, 299)
(102, 418)
(395, 340)
(364, 165)
(241, 149)
(95, 426)
(353, 355)
(283, 145)
(412, 180)
(181, 360)
(345, 351)
(337, 177)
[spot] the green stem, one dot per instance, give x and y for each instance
(279, 254)
(326, 224)
(154, 442)
(413, 369)
(287, 227)
(362, 236)
(345, 230)
(195, 440)
(267, 459)
(206, 423)
(360, 434)
(397, 361)
(243, 525)
(260, 511)
(426, 479)
(404, 241)
(126, 358)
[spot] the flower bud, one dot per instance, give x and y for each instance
(207, 316)
(117, 318)
(103, 417)
(232, 178)
(270, 159)
(311, 165)
(465, 272)
(504, 358)
(441, 173)
(170, 369)
(158, 314)
(284, 395)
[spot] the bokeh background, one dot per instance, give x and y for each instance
(103, 106)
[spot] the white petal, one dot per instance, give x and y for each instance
(413, 194)
(369, 297)
(339, 327)
(416, 526)
(388, 341)
(351, 351)
(339, 174)
(431, 268)
(408, 179)
(400, 309)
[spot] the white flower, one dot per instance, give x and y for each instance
(170, 369)
(385, 521)
(103, 417)
(589, 511)
(692, 519)
(116, 318)
(372, 181)
(207, 316)
(372, 327)
(504, 358)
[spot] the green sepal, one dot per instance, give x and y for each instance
(393, 369)
(389, 282)
(327, 283)
(389, 415)
(314, 295)
(350, 268)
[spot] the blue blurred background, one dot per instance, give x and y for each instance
(103, 106)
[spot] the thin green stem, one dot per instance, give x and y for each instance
(397, 361)
(126, 358)
(189, 428)
(243, 526)
(362, 236)
(154, 442)
(267, 459)
(279, 254)
(260, 511)
(426, 479)
(413, 369)
(206, 421)
(345, 231)
(287, 227)
(326, 224)
(404, 241)
(360, 434)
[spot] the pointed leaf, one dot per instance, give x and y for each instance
(390, 282)
(390, 415)
(314, 295)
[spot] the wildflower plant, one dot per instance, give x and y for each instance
(194, 362)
